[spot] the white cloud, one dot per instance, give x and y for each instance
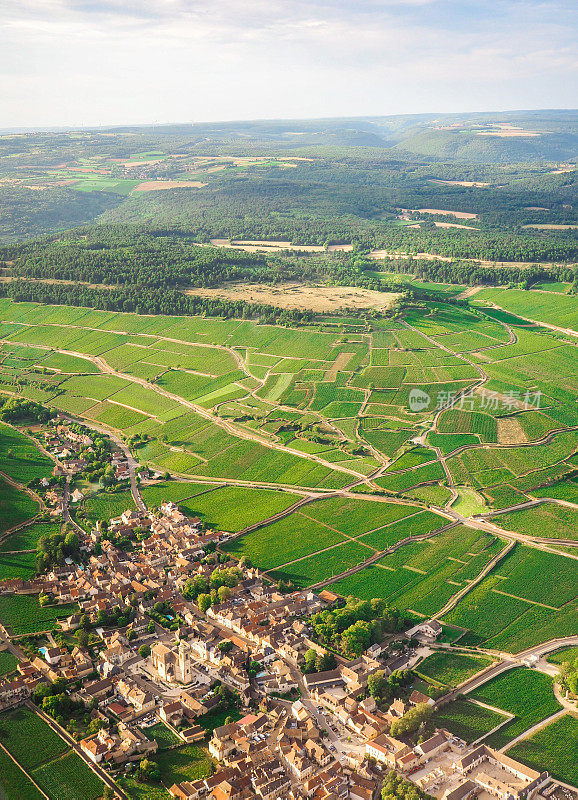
(114, 61)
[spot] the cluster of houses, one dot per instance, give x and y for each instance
(69, 449)
(277, 752)
(253, 644)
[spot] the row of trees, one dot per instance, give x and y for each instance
(473, 274)
(569, 674)
(147, 301)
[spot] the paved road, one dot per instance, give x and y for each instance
(510, 661)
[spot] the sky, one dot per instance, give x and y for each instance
(107, 62)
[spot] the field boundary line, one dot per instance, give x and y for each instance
(21, 768)
(380, 554)
(75, 747)
(232, 430)
(567, 331)
(494, 561)
(508, 718)
(534, 729)
(533, 602)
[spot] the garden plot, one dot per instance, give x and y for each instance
(452, 669)
(23, 615)
(27, 538)
(467, 720)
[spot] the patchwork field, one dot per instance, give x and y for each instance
(527, 694)
(58, 771)
(547, 520)
(549, 749)
(423, 576)
(528, 598)
(323, 406)
(542, 306)
(362, 527)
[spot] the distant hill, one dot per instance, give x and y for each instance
(492, 138)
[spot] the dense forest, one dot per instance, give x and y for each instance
(152, 258)
(337, 181)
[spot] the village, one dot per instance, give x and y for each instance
(175, 632)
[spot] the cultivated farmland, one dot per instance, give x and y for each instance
(527, 694)
(551, 748)
(451, 669)
(22, 614)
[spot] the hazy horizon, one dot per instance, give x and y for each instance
(104, 63)
(265, 120)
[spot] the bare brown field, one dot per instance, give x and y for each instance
(469, 292)
(259, 246)
(454, 225)
(340, 363)
(381, 255)
(245, 160)
(142, 163)
(320, 299)
(510, 133)
(510, 431)
(340, 248)
(563, 170)
(551, 227)
(456, 214)
(535, 208)
(377, 255)
(478, 184)
(155, 186)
